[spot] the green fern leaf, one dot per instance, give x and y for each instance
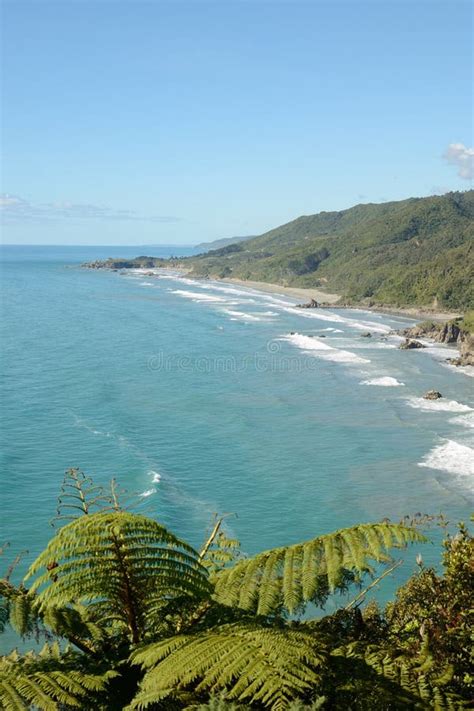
(250, 664)
(288, 577)
(47, 681)
(120, 561)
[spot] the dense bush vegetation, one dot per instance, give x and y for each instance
(135, 618)
(418, 251)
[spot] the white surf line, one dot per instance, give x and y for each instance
(453, 458)
(147, 492)
(336, 318)
(460, 369)
(241, 316)
(385, 381)
(198, 296)
(464, 420)
(315, 347)
(441, 405)
(248, 294)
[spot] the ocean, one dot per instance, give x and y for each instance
(203, 397)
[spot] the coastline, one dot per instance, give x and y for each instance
(331, 299)
(296, 292)
(324, 298)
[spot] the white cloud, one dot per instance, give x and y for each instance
(15, 209)
(459, 155)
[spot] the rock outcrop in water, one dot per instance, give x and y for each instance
(432, 395)
(311, 304)
(439, 332)
(459, 332)
(409, 345)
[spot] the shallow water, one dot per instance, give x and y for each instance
(205, 397)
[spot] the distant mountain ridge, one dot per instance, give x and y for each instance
(224, 242)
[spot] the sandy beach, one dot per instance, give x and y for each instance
(325, 298)
(297, 293)
(329, 298)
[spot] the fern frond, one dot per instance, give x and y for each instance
(293, 575)
(121, 561)
(411, 675)
(217, 703)
(46, 681)
(251, 664)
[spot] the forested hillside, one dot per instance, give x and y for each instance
(417, 251)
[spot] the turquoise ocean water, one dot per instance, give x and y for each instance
(207, 397)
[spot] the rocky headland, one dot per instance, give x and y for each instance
(458, 331)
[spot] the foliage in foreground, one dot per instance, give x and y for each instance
(141, 620)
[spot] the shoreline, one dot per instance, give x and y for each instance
(331, 300)
(324, 298)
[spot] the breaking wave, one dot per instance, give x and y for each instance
(198, 296)
(451, 457)
(385, 382)
(318, 349)
(440, 405)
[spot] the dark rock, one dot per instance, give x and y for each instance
(466, 348)
(449, 332)
(432, 395)
(366, 335)
(311, 304)
(408, 344)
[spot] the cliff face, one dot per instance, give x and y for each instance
(466, 349)
(449, 332)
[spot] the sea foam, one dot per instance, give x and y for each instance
(324, 315)
(322, 350)
(451, 457)
(241, 316)
(147, 492)
(385, 382)
(464, 420)
(198, 296)
(441, 405)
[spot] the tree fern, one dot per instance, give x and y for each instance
(118, 563)
(49, 681)
(416, 679)
(262, 665)
(217, 703)
(293, 575)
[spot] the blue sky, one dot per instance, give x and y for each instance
(177, 122)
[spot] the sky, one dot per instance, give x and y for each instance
(130, 122)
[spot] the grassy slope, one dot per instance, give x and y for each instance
(414, 252)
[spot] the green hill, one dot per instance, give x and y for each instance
(413, 252)
(224, 242)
